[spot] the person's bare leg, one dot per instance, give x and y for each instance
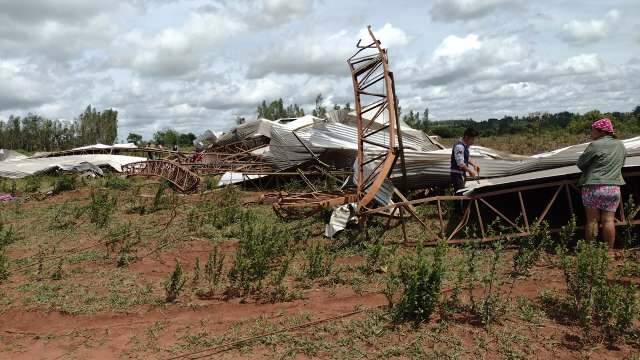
(591, 226)
(608, 228)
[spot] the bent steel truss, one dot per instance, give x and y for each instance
(376, 109)
(182, 178)
(517, 211)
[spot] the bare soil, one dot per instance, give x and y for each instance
(101, 311)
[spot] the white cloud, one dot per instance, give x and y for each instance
(177, 51)
(18, 88)
(389, 36)
(453, 10)
(582, 64)
(182, 64)
(465, 57)
(321, 54)
(275, 11)
(586, 32)
(245, 94)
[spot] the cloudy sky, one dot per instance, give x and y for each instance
(194, 64)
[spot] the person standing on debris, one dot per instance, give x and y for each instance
(601, 165)
(460, 161)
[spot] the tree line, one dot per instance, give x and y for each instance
(36, 133)
(276, 109)
(535, 123)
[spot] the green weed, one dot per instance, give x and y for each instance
(65, 216)
(175, 283)
(615, 309)
(195, 280)
(7, 235)
(629, 231)
(101, 208)
(279, 290)
(377, 256)
(213, 269)
(58, 273)
(4, 265)
(319, 261)
(594, 300)
(64, 183)
(530, 247)
(420, 278)
(32, 184)
(116, 182)
(261, 246)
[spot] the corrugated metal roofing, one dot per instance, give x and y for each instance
(572, 171)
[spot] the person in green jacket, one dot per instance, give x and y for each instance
(601, 165)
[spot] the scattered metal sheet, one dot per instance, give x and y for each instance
(21, 167)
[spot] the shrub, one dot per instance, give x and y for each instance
(261, 246)
(489, 307)
(64, 216)
(492, 308)
(58, 272)
(470, 271)
(101, 208)
(593, 299)
(225, 216)
(280, 291)
(567, 233)
(377, 256)
(64, 183)
(229, 196)
(116, 182)
(319, 261)
(160, 200)
(32, 184)
(4, 265)
(210, 183)
(7, 235)
(175, 283)
(196, 273)
(127, 254)
(583, 274)
(615, 308)
(420, 279)
(629, 231)
(530, 247)
(213, 269)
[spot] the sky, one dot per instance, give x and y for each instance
(193, 65)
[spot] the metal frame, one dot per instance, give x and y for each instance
(181, 177)
(479, 207)
(301, 205)
(370, 67)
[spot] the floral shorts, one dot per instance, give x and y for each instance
(602, 197)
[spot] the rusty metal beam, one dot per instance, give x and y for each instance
(179, 176)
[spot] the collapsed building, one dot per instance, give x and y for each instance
(382, 167)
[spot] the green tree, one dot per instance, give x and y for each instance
(319, 111)
(276, 110)
(134, 138)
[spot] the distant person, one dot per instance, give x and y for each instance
(150, 154)
(461, 163)
(175, 147)
(601, 164)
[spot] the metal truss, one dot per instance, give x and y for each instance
(179, 176)
(375, 96)
(557, 202)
